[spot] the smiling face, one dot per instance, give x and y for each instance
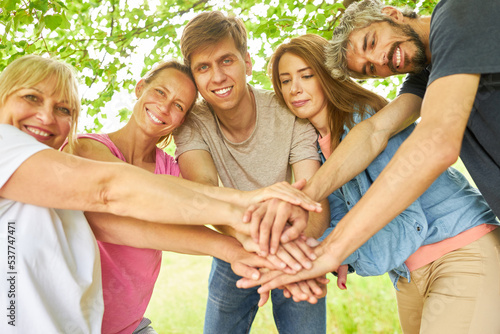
(383, 49)
(163, 102)
(40, 112)
(220, 72)
(301, 88)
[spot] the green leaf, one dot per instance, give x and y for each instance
(53, 21)
(42, 5)
(124, 114)
(65, 24)
(10, 5)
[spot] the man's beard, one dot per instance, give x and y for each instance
(419, 61)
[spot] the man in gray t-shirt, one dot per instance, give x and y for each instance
(243, 136)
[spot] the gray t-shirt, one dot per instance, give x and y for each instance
(465, 38)
(279, 140)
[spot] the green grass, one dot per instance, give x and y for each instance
(178, 303)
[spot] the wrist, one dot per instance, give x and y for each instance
(312, 191)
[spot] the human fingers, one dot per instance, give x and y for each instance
(287, 258)
(324, 264)
(266, 275)
(297, 218)
(264, 297)
(299, 184)
(342, 276)
(247, 215)
(279, 263)
(318, 289)
(301, 199)
(294, 250)
(283, 211)
(286, 293)
(246, 271)
(256, 218)
(296, 292)
(307, 247)
(266, 225)
(288, 193)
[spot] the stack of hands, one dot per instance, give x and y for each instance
(273, 228)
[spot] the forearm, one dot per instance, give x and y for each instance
(400, 184)
(432, 147)
(135, 233)
(362, 145)
(161, 199)
(318, 222)
(237, 197)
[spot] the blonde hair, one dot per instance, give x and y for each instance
(344, 97)
(164, 141)
(30, 70)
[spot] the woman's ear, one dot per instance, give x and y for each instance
(139, 88)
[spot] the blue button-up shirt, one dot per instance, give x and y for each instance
(448, 207)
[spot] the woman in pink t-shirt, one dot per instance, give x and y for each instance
(164, 96)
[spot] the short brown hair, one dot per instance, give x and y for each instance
(209, 28)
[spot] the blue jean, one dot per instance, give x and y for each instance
(231, 310)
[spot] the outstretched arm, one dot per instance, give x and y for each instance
(202, 240)
(362, 145)
(58, 180)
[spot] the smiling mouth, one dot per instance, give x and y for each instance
(222, 91)
(38, 132)
(398, 57)
(153, 117)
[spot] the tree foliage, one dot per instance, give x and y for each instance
(106, 39)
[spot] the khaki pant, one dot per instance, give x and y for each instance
(458, 293)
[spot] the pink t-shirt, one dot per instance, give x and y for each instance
(128, 273)
(429, 253)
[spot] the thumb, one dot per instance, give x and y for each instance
(300, 184)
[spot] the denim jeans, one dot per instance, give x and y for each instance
(231, 310)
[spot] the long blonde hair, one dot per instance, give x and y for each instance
(344, 97)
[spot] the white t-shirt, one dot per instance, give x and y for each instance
(50, 273)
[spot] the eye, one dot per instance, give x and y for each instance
(372, 69)
(227, 61)
(202, 68)
(308, 76)
(178, 106)
(63, 110)
(31, 98)
(159, 91)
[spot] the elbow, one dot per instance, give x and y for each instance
(441, 149)
(379, 138)
(448, 153)
(101, 198)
